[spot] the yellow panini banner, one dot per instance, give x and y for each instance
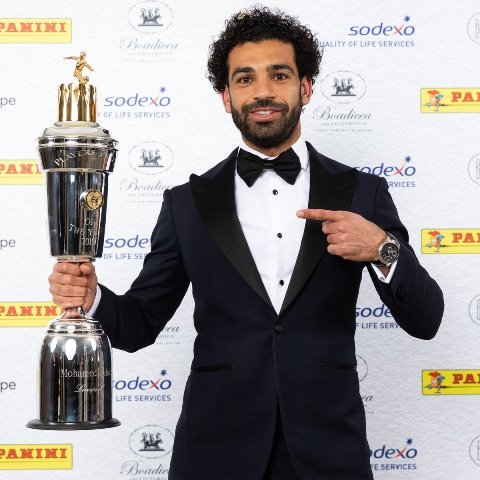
(450, 100)
(36, 457)
(451, 240)
(20, 172)
(27, 314)
(451, 382)
(35, 30)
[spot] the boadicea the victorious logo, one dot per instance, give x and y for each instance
(150, 16)
(343, 86)
(473, 28)
(150, 158)
(151, 441)
(362, 368)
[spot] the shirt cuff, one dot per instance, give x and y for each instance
(378, 272)
(96, 301)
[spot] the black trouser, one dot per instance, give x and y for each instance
(280, 465)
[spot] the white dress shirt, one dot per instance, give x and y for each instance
(267, 215)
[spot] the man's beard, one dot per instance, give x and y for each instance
(267, 134)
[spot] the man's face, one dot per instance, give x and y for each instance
(265, 94)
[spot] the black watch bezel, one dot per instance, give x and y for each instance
(388, 251)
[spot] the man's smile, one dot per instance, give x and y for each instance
(265, 114)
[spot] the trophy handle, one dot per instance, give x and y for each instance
(75, 313)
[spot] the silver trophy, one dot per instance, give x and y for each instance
(77, 155)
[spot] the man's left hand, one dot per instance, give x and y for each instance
(349, 235)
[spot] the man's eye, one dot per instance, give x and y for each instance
(280, 76)
(244, 80)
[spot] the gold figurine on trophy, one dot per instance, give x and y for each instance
(80, 65)
(77, 102)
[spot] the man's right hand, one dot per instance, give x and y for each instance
(72, 285)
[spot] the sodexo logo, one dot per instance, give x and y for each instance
(389, 452)
(150, 17)
(343, 86)
(376, 317)
(134, 247)
(152, 105)
(376, 312)
(384, 29)
(131, 242)
(150, 158)
(145, 390)
(392, 457)
(398, 175)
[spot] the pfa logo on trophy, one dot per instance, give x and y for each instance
(77, 155)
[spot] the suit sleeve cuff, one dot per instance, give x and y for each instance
(379, 273)
(96, 301)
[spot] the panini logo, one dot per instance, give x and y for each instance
(451, 382)
(450, 100)
(451, 240)
(20, 314)
(36, 457)
(20, 172)
(35, 30)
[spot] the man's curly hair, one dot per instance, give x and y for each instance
(255, 25)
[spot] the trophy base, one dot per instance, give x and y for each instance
(44, 425)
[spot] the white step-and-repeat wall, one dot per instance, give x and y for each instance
(398, 95)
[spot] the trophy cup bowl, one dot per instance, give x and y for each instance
(75, 376)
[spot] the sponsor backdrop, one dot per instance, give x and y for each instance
(398, 96)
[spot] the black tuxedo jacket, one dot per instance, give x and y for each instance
(246, 357)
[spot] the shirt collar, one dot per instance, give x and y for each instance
(299, 147)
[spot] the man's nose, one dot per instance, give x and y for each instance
(264, 88)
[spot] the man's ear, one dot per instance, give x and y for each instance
(306, 89)
(226, 100)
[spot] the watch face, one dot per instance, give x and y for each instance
(389, 252)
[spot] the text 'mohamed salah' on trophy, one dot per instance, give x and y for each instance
(77, 154)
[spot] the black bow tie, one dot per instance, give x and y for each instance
(250, 166)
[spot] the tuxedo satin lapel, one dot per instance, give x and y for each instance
(327, 191)
(215, 200)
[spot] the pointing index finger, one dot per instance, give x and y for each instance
(319, 214)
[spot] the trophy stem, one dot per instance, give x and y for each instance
(75, 313)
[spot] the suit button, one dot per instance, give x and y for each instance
(279, 328)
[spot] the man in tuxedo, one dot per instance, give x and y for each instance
(273, 240)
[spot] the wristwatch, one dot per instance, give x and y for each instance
(388, 251)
